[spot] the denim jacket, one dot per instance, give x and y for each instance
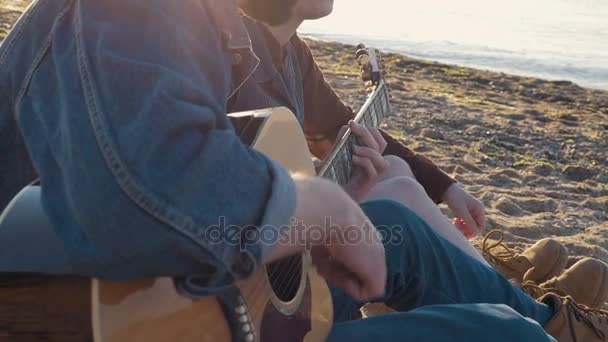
(119, 106)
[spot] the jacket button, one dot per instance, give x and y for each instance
(237, 58)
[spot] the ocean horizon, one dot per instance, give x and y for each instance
(550, 39)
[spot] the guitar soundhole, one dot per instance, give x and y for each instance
(285, 276)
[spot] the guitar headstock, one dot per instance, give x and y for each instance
(369, 61)
(338, 165)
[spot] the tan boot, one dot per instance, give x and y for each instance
(375, 309)
(574, 322)
(544, 260)
(586, 282)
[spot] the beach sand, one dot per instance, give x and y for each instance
(534, 151)
(9, 12)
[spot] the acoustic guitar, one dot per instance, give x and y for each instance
(284, 301)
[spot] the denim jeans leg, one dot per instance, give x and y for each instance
(445, 323)
(425, 269)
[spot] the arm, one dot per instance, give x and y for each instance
(359, 266)
(326, 114)
(150, 165)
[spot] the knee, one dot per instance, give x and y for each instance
(394, 217)
(398, 167)
(388, 212)
(406, 189)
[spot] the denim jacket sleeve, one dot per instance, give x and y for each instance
(151, 169)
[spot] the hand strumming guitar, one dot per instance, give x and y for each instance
(358, 267)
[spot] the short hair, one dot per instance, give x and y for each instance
(272, 12)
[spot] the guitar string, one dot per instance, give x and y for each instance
(257, 302)
(295, 262)
(294, 276)
(296, 272)
(342, 176)
(269, 275)
(289, 269)
(344, 159)
(342, 172)
(260, 303)
(265, 281)
(284, 283)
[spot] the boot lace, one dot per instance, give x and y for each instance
(497, 251)
(536, 291)
(589, 316)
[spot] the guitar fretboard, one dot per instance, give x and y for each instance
(338, 167)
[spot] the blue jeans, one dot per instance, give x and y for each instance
(441, 293)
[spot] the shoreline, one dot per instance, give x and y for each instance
(446, 60)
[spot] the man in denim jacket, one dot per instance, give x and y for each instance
(119, 107)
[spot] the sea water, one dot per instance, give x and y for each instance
(552, 39)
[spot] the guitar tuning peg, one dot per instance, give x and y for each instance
(363, 60)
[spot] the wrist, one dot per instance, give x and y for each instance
(446, 194)
(307, 228)
(321, 205)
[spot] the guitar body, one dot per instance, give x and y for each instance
(279, 303)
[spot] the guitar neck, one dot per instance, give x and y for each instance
(338, 166)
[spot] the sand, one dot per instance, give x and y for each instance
(534, 151)
(9, 12)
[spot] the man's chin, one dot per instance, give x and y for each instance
(320, 14)
(271, 12)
